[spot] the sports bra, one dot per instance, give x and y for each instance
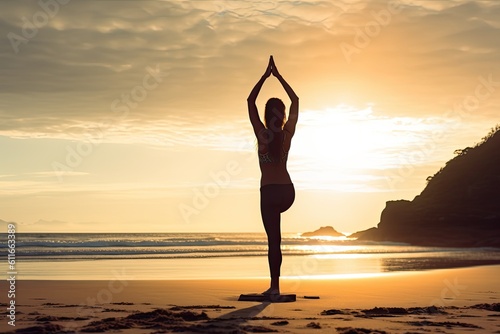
(265, 158)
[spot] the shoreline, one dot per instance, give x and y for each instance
(438, 297)
(328, 266)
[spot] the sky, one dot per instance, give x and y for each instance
(130, 116)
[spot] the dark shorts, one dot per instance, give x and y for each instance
(277, 197)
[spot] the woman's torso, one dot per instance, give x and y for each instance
(274, 172)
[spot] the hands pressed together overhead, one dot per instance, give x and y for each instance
(271, 68)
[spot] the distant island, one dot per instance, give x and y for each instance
(459, 207)
(325, 231)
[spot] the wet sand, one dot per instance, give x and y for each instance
(445, 301)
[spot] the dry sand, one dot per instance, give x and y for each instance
(462, 300)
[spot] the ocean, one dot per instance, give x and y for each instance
(96, 256)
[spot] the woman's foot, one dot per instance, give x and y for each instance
(272, 291)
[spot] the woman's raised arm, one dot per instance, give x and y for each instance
(293, 115)
(253, 112)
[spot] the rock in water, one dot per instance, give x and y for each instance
(325, 231)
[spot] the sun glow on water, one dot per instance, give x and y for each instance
(330, 251)
(331, 238)
(338, 276)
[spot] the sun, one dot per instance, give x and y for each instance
(341, 147)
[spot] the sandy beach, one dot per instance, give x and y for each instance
(444, 301)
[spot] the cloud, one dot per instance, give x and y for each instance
(65, 79)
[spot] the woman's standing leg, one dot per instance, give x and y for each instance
(275, 199)
(271, 219)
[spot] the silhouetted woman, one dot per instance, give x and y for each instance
(276, 188)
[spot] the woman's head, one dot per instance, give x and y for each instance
(274, 115)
